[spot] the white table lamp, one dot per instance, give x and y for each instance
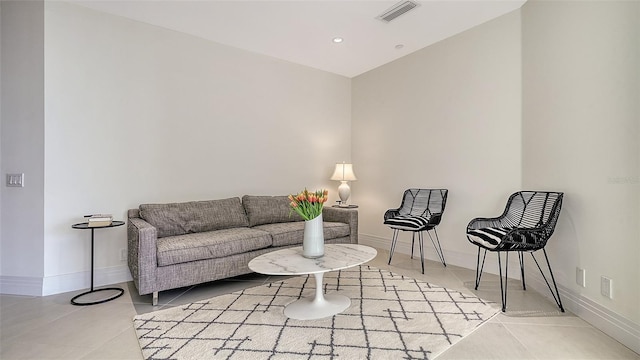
(344, 173)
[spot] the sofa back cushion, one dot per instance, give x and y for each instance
(195, 216)
(268, 209)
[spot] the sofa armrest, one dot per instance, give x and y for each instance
(347, 216)
(142, 258)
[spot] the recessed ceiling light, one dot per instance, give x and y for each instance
(338, 40)
(399, 46)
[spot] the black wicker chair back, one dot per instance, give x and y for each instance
(527, 223)
(420, 210)
(423, 202)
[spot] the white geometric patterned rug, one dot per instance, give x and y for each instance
(390, 317)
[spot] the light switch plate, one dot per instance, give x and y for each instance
(15, 180)
(580, 277)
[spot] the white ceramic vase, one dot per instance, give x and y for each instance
(313, 241)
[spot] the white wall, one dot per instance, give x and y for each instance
(474, 114)
(22, 145)
(446, 116)
(581, 123)
(138, 114)
(132, 113)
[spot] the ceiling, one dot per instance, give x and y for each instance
(301, 31)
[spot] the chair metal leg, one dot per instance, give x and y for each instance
(438, 248)
(556, 295)
(421, 245)
(503, 288)
(154, 299)
(478, 267)
(393, 244)
(413, 240)
(521, 258)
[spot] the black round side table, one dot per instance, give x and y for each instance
(85, 226)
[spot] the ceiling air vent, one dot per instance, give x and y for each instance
(397, 10)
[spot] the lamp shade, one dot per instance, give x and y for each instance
(344, 172)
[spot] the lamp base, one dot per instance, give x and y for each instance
(345, 206)
(344, 191)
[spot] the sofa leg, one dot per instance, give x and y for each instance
(154, 302)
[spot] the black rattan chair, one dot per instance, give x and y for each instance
(525, 225)
(420, 210)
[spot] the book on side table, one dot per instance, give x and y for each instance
(98, 220)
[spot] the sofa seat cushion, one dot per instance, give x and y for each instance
(210, 245)
(291, 233)
(194, 216)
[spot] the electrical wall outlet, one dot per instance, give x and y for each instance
(123, 254)
(581, 277)
(606, 288)
(15, 180)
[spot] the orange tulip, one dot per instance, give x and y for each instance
(308, 204)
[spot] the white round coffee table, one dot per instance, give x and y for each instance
(291, 262)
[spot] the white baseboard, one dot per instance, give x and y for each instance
(609, 322)
(82, 280)
(21, 285)
(456, 258)
(50, 285)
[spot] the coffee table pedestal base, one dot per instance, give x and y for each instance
(319, 307)
(309, 309)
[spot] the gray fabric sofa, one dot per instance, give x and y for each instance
(182, 244)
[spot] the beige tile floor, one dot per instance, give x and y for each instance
(532, 328)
